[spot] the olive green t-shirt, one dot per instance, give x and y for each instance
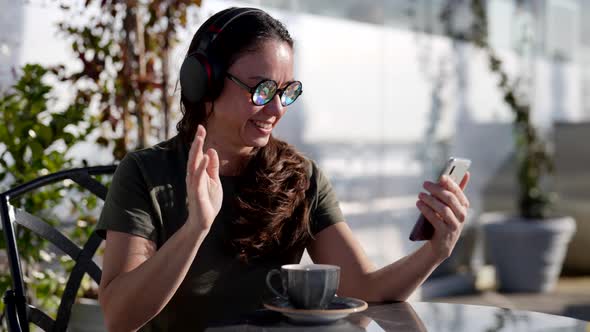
(147, 198)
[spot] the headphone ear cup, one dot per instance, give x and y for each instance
(194, 79)
(217, 80)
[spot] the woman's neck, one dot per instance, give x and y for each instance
(232, 160)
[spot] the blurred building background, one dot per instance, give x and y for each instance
(389, 97)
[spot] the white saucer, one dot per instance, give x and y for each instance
(339, 308)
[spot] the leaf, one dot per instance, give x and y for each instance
(4, 135)
(69, 139)
(44, 134)
(36, 150)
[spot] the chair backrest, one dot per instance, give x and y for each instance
(18, 312)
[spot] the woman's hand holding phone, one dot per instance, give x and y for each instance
(444, 208)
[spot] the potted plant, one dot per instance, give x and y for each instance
(527, 248)
(35, 141)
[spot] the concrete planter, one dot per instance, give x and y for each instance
(527, 254)
(86, 317)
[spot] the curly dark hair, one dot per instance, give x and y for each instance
(271, 202)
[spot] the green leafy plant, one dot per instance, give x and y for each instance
(35, 141)
(534, 162)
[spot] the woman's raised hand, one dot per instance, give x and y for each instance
(203, 185)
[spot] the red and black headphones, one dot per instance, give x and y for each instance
(200, 74)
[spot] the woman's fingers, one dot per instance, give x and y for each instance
(465, 181)
(200, 140)
(197, 155)
(196, 151)
(451, 188)
(449, 199)
(434, 219)
(445, 212)
(444, 194)
(202, 169)
(213, 168)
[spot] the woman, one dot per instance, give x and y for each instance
(193, 224)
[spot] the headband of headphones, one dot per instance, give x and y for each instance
(200, 74)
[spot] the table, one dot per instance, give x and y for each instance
(418, 316)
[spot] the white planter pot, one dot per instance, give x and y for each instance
(527, 254)
(86, 317)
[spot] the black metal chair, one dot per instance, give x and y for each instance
(19, 313)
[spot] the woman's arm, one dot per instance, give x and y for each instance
(138, 281)
(336, 245)
(358, 278)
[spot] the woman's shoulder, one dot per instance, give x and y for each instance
(163, 152)
(317, 178)
(319, 181)
(311, 167)
(289, 151)
(167, 157)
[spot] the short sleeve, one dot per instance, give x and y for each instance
(325, 209)
(128, 207)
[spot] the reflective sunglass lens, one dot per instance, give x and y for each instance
(291, 93)
(264, 92)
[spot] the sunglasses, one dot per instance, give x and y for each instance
(266, 90)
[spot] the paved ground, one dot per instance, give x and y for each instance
(570, 298)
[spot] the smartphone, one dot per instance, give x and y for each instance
(455, 169)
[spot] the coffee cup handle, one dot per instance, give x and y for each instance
(269, 276)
